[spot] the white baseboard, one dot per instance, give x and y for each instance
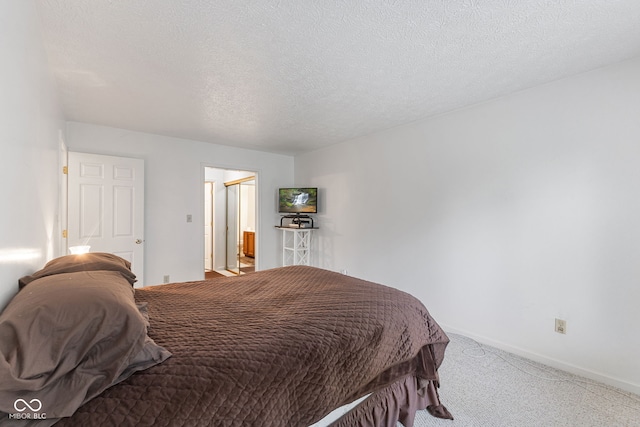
(555, 363)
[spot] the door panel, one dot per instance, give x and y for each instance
(91, 208)
(106, 206)
(123, 210)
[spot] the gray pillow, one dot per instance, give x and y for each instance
(67, 337)
(93, 261)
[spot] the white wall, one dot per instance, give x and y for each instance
(30, 121)
(502, 217)
(174, 173)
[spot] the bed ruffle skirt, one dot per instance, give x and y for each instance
(396, 402)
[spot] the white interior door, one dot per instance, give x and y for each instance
(208, 225)
(106, 206)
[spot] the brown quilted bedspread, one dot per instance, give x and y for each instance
(280, 347)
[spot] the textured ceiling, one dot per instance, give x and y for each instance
(291, 76)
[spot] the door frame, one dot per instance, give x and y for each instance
(258, 215)
(63, 163)
(212, 224)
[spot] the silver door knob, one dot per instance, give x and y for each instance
(138, 241)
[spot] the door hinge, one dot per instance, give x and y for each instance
(65, 170)
(64, 234)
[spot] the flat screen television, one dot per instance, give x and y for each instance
(298, 200)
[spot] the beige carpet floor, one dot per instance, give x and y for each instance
(486, 387)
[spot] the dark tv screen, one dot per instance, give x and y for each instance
(298, 200)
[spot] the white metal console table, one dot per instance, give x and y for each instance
(296, 245)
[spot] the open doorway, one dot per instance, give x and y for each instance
(229, 222)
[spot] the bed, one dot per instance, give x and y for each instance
(281, 347)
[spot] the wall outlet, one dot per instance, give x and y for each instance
(561, 326)
(344, 271)
(189, 218)
(166, 279)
